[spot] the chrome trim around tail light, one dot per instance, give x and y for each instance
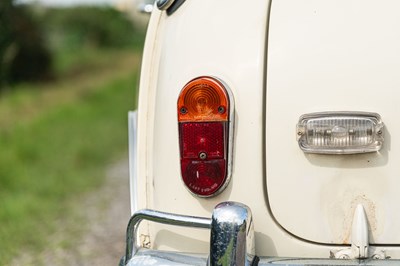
(229, 124)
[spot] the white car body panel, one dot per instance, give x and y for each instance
(335, 55)
(225, 39)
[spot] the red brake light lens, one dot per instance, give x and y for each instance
(203, 178)
(202, 137)
(203, 115)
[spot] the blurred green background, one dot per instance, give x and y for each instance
(67, 80)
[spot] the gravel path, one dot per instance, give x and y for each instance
(105, 214)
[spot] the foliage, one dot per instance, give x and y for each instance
(32, 42)
(88, 26)
(23, 53)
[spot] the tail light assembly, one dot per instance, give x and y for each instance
(205, 119)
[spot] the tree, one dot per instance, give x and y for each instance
(5, 36)
(23, 54)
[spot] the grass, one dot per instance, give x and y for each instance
(55, 144)
(75, 62)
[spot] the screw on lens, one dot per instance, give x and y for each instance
(183, 110)
(202, 155)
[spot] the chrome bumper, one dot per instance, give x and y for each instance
(232, 242)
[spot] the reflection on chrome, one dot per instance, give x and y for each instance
(231, 243)
(232, 235)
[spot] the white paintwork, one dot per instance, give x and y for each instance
(145, 119)
(334, 55)
(180, 48)
(225, 39)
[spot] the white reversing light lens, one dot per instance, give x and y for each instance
(340, 132)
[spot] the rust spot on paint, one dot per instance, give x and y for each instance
(370, 211)
(346, 241)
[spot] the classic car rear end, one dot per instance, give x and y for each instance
(280, 113)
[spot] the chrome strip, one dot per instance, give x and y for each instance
(158, 217)
(132, 138)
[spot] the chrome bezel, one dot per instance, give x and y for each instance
(231, 120)
(373, 147)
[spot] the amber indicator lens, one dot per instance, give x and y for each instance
(203, 99)
(203, 115)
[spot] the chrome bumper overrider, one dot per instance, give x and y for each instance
(232, 241)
